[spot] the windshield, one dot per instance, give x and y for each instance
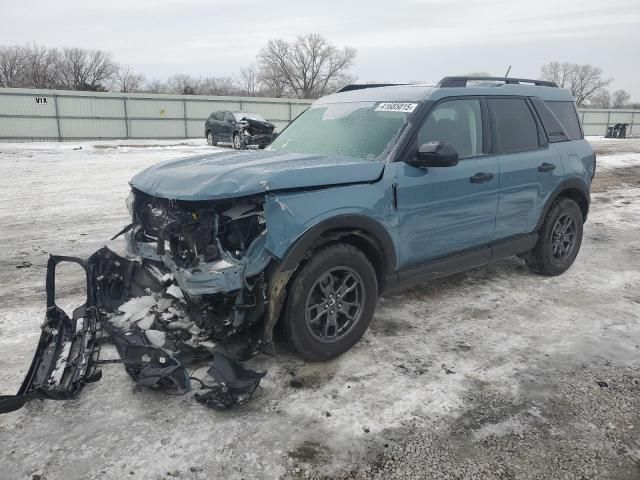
(251, 116)
(358, 129)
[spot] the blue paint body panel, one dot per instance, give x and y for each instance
(524, 190)
(440, 211)
(226, 175)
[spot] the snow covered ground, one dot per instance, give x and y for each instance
(497, 373)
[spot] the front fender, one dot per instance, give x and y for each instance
(296, 219)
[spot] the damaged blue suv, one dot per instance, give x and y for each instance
(370, 189)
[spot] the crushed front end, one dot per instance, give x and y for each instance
(216, 252)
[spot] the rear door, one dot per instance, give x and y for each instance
(529, 168)
(444, 210)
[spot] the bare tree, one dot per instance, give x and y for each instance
(127, 81)
(582, 80)
(184, 85)
(42, 67)
(620, 98)
(602, 98)
(557, 72)
(218, 86)
(82, 69)
(12, 65)
(249, 81)
(273, 85)
(156, 86)
(309, 67)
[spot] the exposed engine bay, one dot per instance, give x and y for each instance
(215, 251)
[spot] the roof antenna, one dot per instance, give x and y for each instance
(508, 70)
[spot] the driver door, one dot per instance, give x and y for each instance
(446, 210)
(228, 126)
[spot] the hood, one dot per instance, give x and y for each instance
(235, 174)
(258, 126)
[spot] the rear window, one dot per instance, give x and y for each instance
(566, 113)
(515, 128)
(555, 131)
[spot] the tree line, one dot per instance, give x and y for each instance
(308, 67)
(587, 85)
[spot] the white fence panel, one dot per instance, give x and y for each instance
(29, 114)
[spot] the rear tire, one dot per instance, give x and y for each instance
(559, 239)
(330, 302)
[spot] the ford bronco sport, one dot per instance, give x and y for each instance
(369, 189)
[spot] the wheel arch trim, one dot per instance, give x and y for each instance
(347, 224)
(573, 184)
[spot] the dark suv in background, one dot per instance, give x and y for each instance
(241, 129)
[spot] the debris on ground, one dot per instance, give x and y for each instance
(145, 315)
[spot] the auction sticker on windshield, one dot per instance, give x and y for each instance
(396, 107)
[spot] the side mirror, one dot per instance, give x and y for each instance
(435, 154)
(230, 120)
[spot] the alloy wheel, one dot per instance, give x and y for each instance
(334, 304)
(563, 238)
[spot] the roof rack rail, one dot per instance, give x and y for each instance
(462, 81)
(362, 86)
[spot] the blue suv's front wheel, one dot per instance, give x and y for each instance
(330, 302)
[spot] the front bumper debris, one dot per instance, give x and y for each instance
(68, 353)
(68, 350)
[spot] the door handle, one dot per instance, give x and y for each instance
(481, 177)
(546, 167)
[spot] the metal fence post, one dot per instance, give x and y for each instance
(290, 112)
(126, 117)
(55, 103)
(184, 106)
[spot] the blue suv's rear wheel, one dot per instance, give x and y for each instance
(560, 238)
(330, 302)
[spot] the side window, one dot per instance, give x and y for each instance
(514, 128)
(228, 117)
(458, 122)
(566, 113)
(219, 116)
(551, 125)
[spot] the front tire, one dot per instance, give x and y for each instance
(330, 302)
(559, 239)
(237, 143)
(211, 139)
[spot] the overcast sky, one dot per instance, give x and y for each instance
(396, 40)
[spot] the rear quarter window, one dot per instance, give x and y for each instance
(514, 127)
(566, 113)
(555, 131)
